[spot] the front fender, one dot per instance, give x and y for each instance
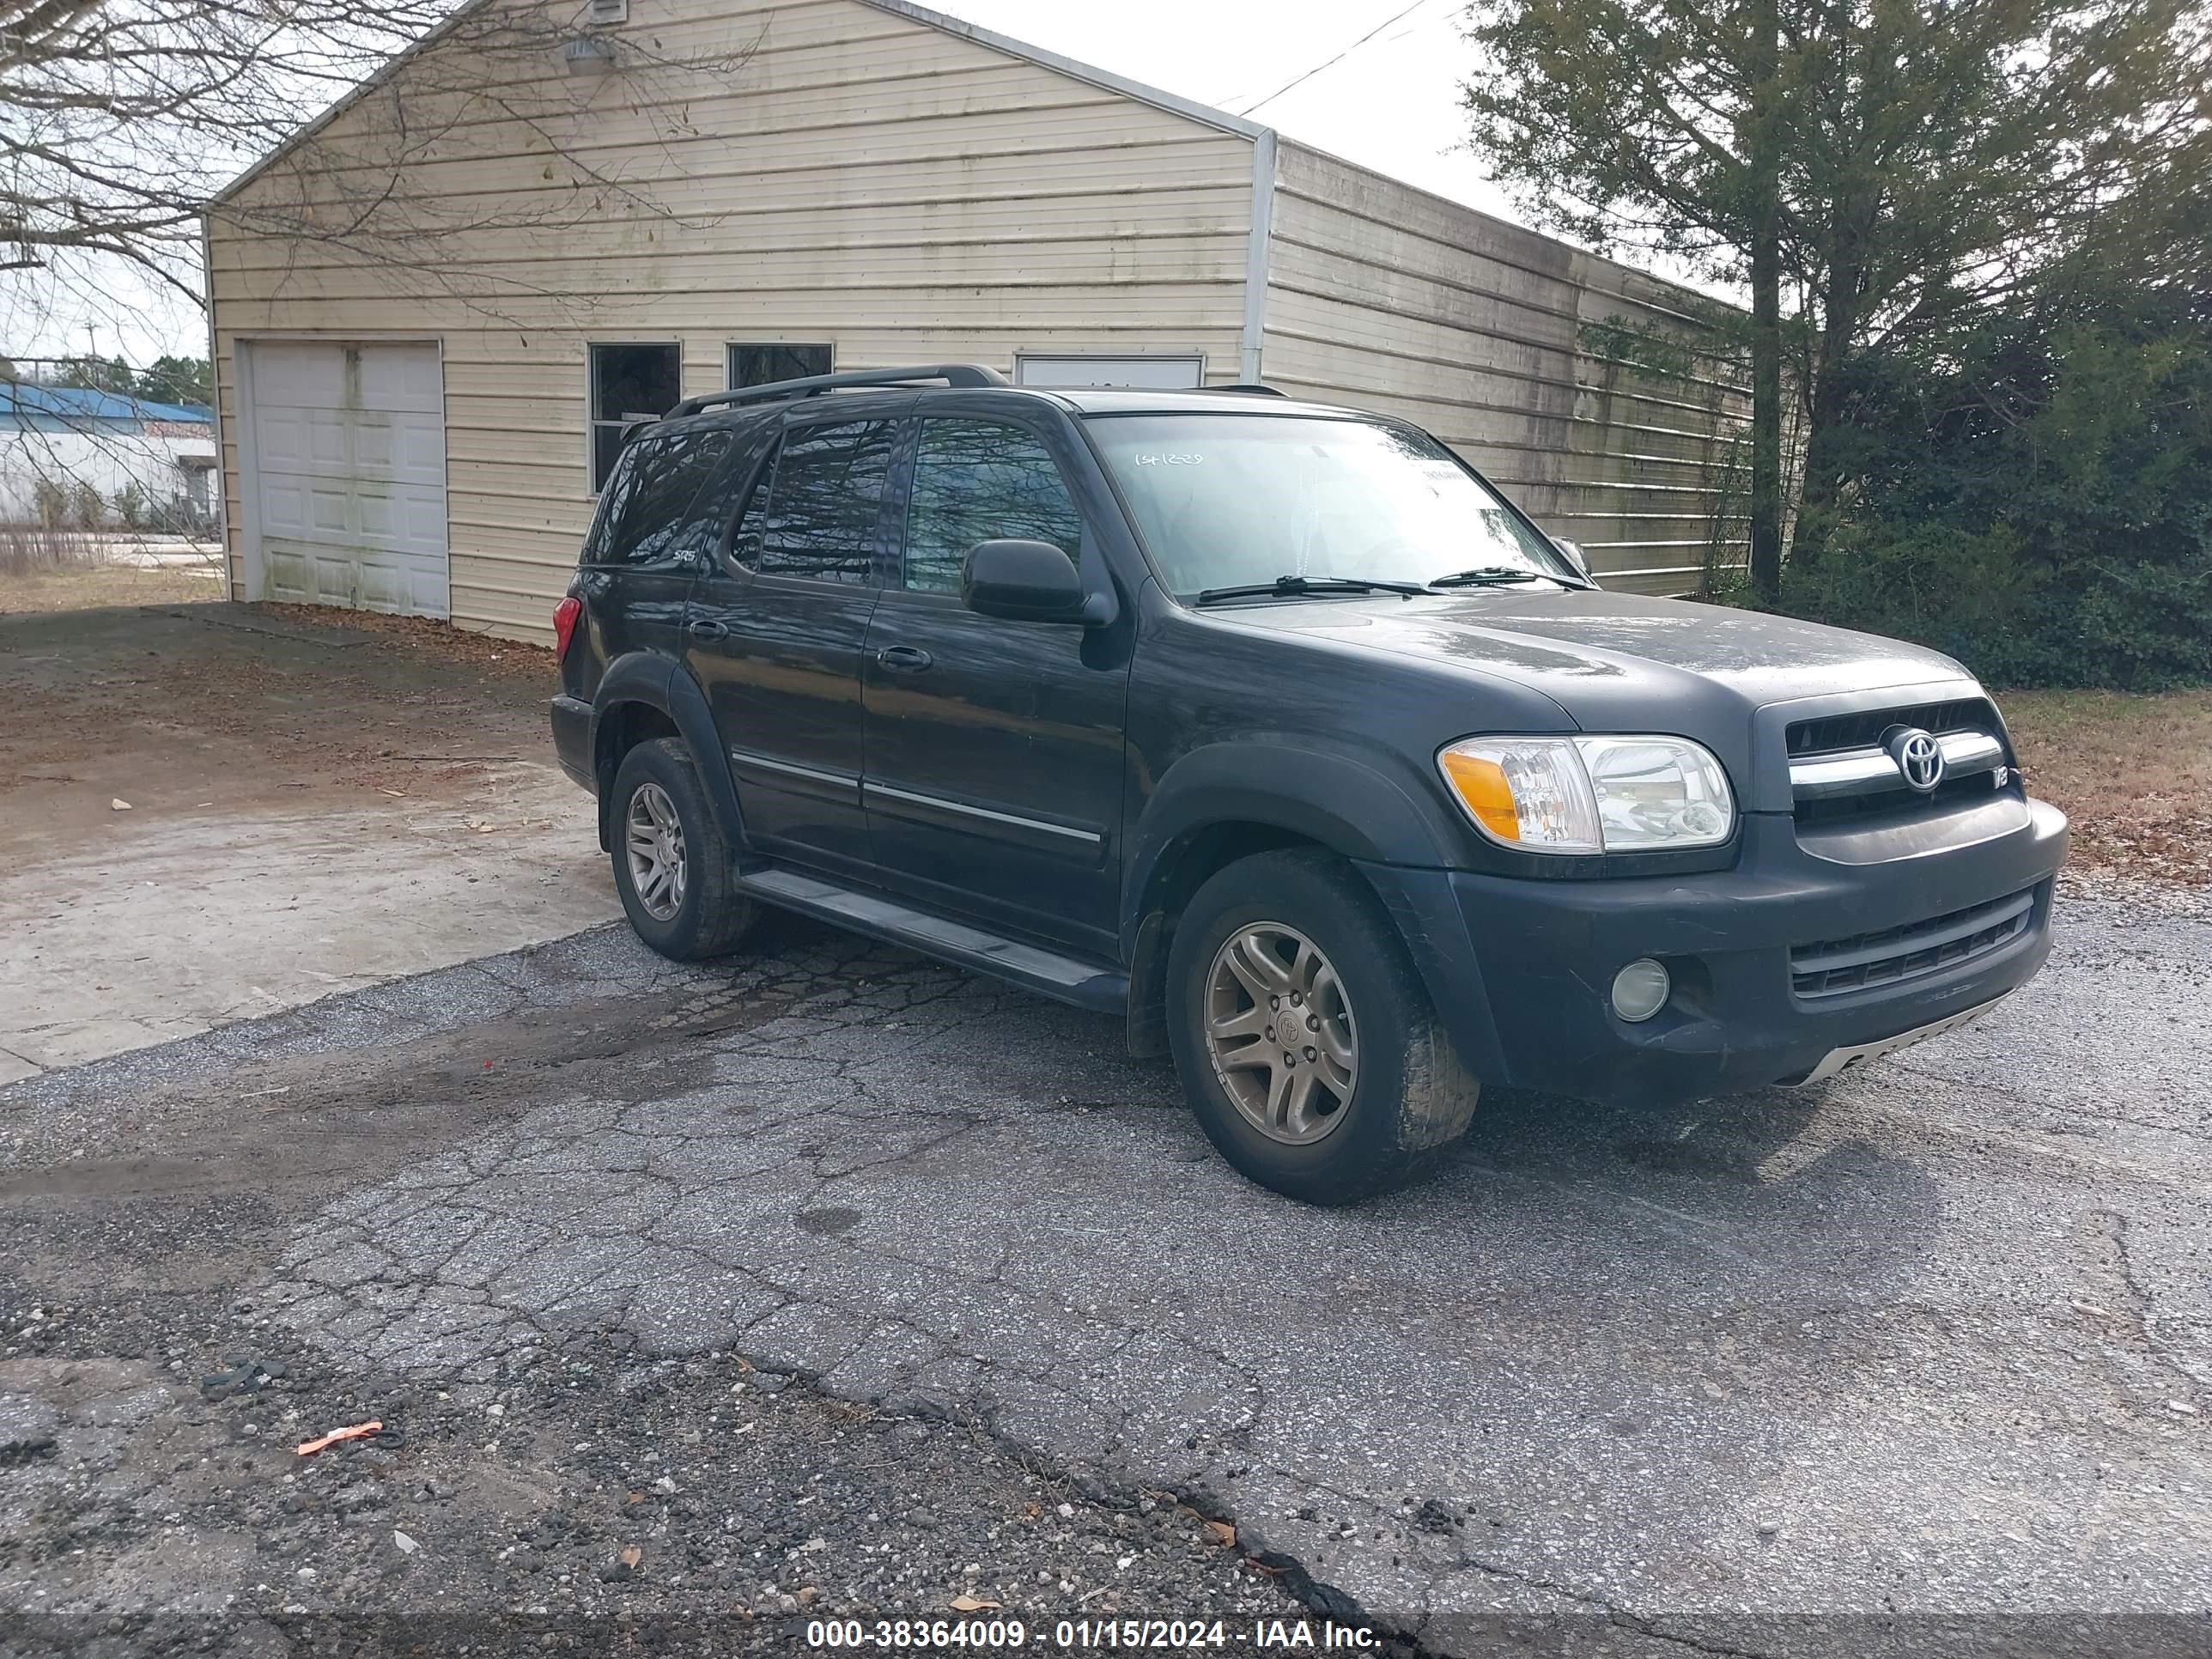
(1332, 795)
(659, 682)
(1387, 824)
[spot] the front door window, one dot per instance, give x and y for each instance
(979, 481)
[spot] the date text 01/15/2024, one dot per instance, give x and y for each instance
(1127, 1635)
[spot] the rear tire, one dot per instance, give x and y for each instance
(672, 860)
(1360, 1091)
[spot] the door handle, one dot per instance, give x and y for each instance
(903, 659)
(702, 628)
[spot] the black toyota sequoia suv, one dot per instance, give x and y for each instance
(1275, 731)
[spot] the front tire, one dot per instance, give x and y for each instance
(1304, 1039)
(672, 860)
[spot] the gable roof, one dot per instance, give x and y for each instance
(1190, 109)
(1204, 114)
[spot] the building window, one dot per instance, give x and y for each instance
(762, 363)
(629, 383)
(1085, 369)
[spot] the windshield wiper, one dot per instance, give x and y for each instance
(1285, 588)
(1492, 575)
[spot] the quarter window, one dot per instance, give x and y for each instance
(760, 363)
(981, 481)
(663, 508)
(629, 383)
(820, 514)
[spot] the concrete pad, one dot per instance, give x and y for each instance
(305, 811)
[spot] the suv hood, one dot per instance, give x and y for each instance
(1605, 658)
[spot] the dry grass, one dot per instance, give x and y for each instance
(2134, 773)
(32, 550)
(84, 587)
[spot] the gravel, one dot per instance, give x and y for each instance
(592, 1489)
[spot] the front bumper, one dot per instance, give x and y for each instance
(1521, 970)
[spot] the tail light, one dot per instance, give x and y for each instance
(564, 624)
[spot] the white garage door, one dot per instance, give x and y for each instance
(350, 457)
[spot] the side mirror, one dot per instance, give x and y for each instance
(1023, 581)
(1575, 556)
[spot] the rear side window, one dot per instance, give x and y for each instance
(979, 481)
(816, 515)
(656, 511)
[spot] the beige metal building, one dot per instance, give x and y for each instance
(434, 310)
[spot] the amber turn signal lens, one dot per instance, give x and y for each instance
(1481, 784)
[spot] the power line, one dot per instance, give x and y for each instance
(1338, 59)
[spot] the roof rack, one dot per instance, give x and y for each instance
(962, 376)
(1250, 388)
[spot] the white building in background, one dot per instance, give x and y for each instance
(72, 440)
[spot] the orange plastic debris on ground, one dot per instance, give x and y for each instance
(357, 1431)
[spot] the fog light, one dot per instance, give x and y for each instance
(1640, 990)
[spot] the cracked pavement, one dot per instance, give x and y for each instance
(1934, 1340)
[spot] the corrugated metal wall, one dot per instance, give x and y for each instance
(1495, 338)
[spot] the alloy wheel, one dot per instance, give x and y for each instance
(1279, 1030)
(654, 839)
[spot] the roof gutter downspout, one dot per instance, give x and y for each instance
(218, 484)
(1255, 257)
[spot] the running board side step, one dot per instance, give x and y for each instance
(1090, 985)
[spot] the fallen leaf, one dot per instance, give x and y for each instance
(631, 1555)
(118, 805)
(966, 1603)
(2182, 1406)
(1223, 1532)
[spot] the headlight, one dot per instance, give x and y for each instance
(1624, 795)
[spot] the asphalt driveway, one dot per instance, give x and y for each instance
(211, 811)
(1779, 1374)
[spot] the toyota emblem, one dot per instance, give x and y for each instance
(1919, 758)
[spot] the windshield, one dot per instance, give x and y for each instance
(1224, 500)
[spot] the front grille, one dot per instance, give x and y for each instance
(1864, 730)
(1958, 790)
(1839, 773)
(1894, 955)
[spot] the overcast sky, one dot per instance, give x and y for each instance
(1391, 103)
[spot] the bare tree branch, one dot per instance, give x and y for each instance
(120, 120)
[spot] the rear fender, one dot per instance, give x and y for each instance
(643, 676)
